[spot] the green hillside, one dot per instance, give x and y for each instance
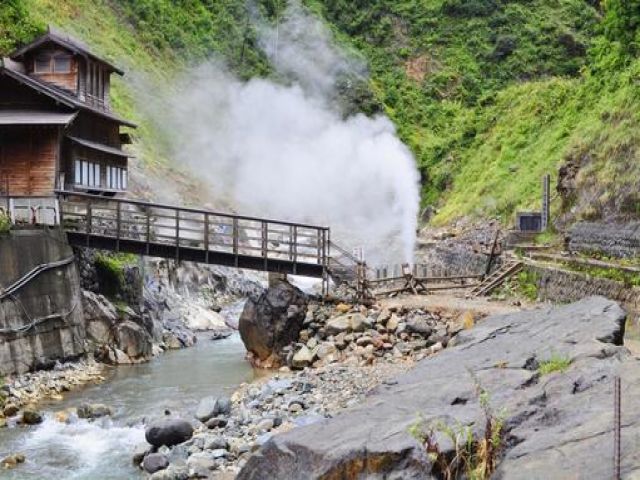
(489, 94)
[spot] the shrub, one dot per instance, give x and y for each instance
(5, 223)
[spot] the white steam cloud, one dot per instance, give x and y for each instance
(285, 151)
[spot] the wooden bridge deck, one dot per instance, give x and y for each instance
(167, 231)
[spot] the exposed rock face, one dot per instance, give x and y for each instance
(117, 337)
(272, 320)
(546, 435)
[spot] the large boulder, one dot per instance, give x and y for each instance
(134, 340)
(168, 432)
(273, 320)
(494, 369)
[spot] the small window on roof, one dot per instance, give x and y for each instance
(62, 64)
(43, 64)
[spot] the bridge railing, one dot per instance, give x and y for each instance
(191, 229)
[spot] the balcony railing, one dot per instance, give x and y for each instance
(31, 211)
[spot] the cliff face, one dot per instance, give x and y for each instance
(41, 321)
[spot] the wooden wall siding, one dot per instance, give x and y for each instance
(67, 81)
(28, 157)
(90, 126)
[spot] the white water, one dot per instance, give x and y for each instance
(101, 450)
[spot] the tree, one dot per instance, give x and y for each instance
(621, 23)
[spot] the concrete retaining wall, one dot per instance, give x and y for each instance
(558, 285)
(53, 292)
(611, 239)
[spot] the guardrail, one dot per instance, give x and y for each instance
(197, 235)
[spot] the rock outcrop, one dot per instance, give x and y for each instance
(548, 374)
(273, 320)
(116, 336)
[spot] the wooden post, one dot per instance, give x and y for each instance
(206, 237)
(265, 233)
(294, 245)
(118, 226)
(177, 235)
(236, 240)
(148, 226)
(88, 220)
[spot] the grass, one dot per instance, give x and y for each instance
(629, 279)
(472, 458)
(555, 363)
(488, 94)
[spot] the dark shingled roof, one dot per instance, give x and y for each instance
(66, 42)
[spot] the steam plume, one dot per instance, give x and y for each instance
(286, 151)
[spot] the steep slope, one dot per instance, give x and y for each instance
(488, 94)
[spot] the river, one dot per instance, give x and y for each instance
(102, 449)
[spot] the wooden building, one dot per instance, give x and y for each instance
(57, 130)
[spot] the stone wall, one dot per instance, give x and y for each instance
(611, 239)
(562, 286)
(54, 292)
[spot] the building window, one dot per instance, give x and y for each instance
(117, 178)
(43, 64)
(87, 173)
(60, 63)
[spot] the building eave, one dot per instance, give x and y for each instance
(60, 96)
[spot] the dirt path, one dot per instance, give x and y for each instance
(457, 303)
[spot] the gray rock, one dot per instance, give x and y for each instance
(216, 443)
(94, 410)
(206, 409)
(217, 422)
(139, 452)
(418, 323)
(200, 465)
(273, 320)
(154, 462)
(548, 437)
(31, 416)
(303, 358)
(173, 472)
(169, 432)
(210, 407)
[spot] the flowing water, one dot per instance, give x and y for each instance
(102, 449)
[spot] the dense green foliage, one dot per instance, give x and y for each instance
(488, 94)
(5, 223)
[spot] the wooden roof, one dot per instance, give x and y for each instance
(25, 117)
(99, 146)
(60, 95)
(68, 43)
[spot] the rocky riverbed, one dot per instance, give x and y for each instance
(338, 354)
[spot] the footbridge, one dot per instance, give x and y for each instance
(167, 231)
